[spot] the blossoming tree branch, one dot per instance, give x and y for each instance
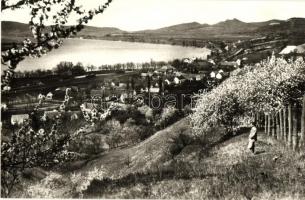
(57, 13)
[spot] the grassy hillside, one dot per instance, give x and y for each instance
(169, 165)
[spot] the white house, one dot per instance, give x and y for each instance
(219, 76)
(19, 119)
(123, 97)
(41, 96)
(212, 74)
(50, 114)
(3, 106)
(289, 49)
(122, 85)
(177, 80)
(50, 96)
(154, 90)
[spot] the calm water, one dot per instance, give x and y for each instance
(98, 52)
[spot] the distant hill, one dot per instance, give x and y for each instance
(228, 29)
(232, 27)
(15, 31)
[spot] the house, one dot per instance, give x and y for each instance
(3, 106)
(51, 114)
(41, 96)
(19, 119)
(154, 90)
(122, 85)
(300, 49)
(212, 74)
(90, 106)
(219, 76)
(289, 49)
(123, 97)
(49, 96)
(177, 80)
(229, 65)
(167, 69)
(144, 90)
(199, 77)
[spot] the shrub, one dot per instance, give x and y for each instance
(60, 186)
(168, 116)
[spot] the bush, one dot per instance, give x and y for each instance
(92, 143)
(168, 116)
(59, 186)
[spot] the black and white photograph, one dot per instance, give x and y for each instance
(153, 99)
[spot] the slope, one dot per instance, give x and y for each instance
(167, 166)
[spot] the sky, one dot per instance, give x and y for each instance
(133, 15)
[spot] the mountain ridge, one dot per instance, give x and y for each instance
(230, 28)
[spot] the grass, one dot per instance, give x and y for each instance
(229, 171)
(167, 165)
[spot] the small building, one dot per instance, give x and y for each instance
(289, 49)
(167, 69)
(51, 114)
(143, 74)
(199, 77)
(49, 96)
(230, 65)
(154, 90)
(19, 119)
(123, 97)
(122, 85)
(177, 80)
(212, 74)
(301, 49)
(219, 76)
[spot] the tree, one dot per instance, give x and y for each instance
(39, 146)
(78, 69)
(265, 87)
(64, 68)
(46, 38)
(35, 145)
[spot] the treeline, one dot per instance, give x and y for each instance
(65, 68)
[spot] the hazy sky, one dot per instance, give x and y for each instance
(133, 15)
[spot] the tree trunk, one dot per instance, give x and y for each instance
(295, 127)
(289, 126)
(285, 124)
(269, 125)
(273, 126)
(302, 138)
(277, 122)
(266, 124)
(281, 124)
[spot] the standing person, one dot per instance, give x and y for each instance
(252, 138)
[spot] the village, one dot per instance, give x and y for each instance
(131, 83)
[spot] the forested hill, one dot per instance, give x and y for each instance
(229, 29)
